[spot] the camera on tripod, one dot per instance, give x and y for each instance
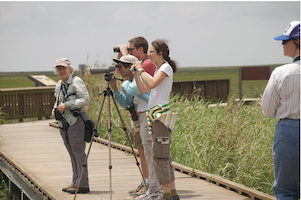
(100, 70)
(106, 70)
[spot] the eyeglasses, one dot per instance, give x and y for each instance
(131, 49)
(152, 51)
(284, 42)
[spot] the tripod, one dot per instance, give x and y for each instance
(108, 92)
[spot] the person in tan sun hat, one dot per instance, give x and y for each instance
(72, 99)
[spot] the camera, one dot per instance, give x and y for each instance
(133, 112)
(75, 112)
(117, 49)
(58, 115)
(133, 69)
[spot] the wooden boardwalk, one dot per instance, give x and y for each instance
(37, 151)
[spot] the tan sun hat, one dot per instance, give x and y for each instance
(127, 59)
(65, 62)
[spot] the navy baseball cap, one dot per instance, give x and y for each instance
(291, 32)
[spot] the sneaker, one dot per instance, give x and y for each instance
(142, 191)
(80, 190)
(151, 196)
(66, 188)
(137, 189)
(165, 198)
(176, 197)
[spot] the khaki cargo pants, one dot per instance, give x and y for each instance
(161, 153)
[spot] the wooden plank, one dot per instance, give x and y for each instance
(255, 73)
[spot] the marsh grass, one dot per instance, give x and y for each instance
(233, 141)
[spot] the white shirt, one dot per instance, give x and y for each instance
(160, 94)
(281, 97)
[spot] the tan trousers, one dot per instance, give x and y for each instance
(161, 153)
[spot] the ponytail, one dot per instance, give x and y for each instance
(161, 46)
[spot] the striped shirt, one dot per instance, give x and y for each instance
(281, 97)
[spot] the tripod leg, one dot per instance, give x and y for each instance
(109, 134)
(127, 135)
(85, 164)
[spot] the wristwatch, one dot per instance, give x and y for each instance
(141, 72)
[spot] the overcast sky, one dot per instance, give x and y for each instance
(33, 35)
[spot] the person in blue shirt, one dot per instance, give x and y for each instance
(131, 95)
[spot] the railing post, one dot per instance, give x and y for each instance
(240, 82)
(82, 69)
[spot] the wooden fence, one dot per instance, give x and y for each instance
(19, 103)
(214, 90)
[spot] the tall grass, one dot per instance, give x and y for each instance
(233, 141)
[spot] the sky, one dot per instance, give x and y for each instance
(33, 35)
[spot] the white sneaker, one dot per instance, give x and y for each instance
(151, 196)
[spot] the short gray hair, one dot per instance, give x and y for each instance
(70, 67)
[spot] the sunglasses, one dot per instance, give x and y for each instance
(285, 41)
(118, 66)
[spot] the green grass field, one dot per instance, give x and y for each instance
(20, 79)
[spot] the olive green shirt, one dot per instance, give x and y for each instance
(77, 97)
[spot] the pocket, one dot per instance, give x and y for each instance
(161, 140)
(289, 135)
(161, 147)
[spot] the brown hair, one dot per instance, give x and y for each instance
(140, 42)
(297, 43)
(161, 46)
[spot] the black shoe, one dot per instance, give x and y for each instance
(66, 188)
(176, 197)
(80, 190)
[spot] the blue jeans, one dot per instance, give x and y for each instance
(286, 160)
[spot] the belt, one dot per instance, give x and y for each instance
(290, 119)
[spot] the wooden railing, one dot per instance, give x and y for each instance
(213, 90)
(19, 103)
